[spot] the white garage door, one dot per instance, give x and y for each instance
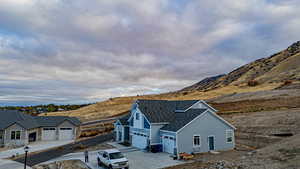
(49, 133)
(168, 144)
(139, 140)
(66, 133)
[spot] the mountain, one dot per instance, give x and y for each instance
(282, 66)
(266, 74)
(204, 84)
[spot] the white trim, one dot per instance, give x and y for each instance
(191, 106)
(177, 147)
(168, 131)
(196, 146)
(146, 119)
(202, 101)
(208, 142)
(232, 135)
(131, 113)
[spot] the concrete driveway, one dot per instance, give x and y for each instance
(137, 159)
(8, 164)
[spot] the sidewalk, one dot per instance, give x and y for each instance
(8, 164)
(37, 146)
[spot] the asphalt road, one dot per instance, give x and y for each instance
(47, 155)
(99, 121)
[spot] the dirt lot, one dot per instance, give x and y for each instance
(69, 164)
(265, 140)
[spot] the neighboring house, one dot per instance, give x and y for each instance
(190, 126)
(18, 129)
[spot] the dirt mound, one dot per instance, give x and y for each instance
(68, 164)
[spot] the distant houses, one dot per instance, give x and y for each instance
(17, 128)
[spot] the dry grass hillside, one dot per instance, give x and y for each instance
(265, 74)
(279, 67)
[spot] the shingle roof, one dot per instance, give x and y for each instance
(181, 119)
(158, 111)
(50, 121)
(10, 117)
(124, 119)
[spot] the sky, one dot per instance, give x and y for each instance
(78, 51)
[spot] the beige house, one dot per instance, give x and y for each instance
(17, 129)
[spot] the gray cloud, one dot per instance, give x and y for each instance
(72, 51)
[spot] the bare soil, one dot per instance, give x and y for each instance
(68, 164)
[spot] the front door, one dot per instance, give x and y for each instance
(126, 134)
(211, 143)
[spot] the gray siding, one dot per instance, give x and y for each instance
(155, 133)
(204, 126)
(7, 136)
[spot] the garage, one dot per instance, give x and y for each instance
(168, 144)
(49, 133)
(139, 140)
(66, 133)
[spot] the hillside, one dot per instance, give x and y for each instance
(279, 67)
(264, 74)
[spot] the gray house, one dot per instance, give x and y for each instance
(18, 129)
(190, 126)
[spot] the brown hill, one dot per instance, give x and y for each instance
(264, 74)
(279, 67)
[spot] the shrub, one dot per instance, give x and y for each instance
(252, 83)
(287, 82)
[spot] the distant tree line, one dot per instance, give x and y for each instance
(34, 110)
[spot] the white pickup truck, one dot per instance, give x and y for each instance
(112, 158)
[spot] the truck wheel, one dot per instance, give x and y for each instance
(99, 162)
(126, 167)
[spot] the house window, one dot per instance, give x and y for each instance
(229, 136)
(137, 116)
(15, 135)
(197, 141)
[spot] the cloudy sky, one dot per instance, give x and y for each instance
(78, 51)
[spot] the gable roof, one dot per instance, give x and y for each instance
(160, 111)
(10, 117)
(181, 119)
